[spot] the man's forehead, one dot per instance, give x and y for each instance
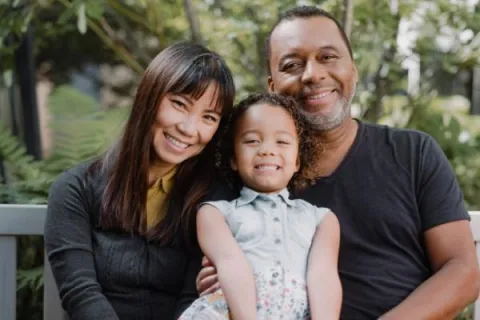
(300, 33)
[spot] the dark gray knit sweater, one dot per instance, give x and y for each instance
(110, 275)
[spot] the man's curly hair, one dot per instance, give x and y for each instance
(308, 150)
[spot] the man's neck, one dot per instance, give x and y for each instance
(340, 137)
(335, 144)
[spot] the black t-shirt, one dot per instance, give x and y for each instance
(393, 185)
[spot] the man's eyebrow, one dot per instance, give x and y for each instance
(328, 47)
(295, 55)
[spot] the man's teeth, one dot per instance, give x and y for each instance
(320, 95)
(176, 142)
(267, 167)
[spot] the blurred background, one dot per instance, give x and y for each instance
(69, 71)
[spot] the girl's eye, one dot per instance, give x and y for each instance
(251, 141)
(283, 142)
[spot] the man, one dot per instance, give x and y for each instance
(407, 251)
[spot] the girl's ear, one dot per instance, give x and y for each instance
(297, 164)
(233, 164)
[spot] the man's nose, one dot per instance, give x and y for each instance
(314, 72)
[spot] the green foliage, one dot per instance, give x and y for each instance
(78, 127)
(133, 31)
(81, 131)
(30, 278)
(29, 183)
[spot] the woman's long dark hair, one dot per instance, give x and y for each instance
(183, 68)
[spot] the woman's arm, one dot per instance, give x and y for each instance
(68, 234)
(234, 272)
(323, 282)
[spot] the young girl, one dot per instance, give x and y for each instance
(276, 258)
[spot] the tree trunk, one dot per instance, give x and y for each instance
(381, 80)
(474, 91)
(347, 19)
(193, 21)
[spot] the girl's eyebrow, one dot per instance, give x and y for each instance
(243, 133)
(284, 132)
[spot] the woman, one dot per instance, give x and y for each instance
(120, 231)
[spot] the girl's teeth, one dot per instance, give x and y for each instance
(176, 142)
(267, 167)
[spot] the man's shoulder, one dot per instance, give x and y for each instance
(398, 137)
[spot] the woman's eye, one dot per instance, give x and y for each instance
(179, 103)
(211, 118)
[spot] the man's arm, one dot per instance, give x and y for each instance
(448, 241)
(455, 282)
(207, 279)
(234, 272)
(323, 281)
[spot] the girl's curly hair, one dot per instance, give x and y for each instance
(308, 149)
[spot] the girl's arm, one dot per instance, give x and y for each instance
(323, 282)
(234, 272)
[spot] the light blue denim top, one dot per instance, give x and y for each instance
(272, 229)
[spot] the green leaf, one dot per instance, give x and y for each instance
(81, 19)
(30, 278)
(94, 9)
(8, 78)
(66, 15)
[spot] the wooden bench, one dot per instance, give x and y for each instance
(17, 220)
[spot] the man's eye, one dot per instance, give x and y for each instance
(329, 57)
(291, 66)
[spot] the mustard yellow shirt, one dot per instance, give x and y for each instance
(156, 196)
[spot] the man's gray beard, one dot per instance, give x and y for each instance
(325, 122)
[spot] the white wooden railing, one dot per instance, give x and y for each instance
(17, 220)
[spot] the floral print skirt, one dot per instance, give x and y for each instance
(280, 295)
